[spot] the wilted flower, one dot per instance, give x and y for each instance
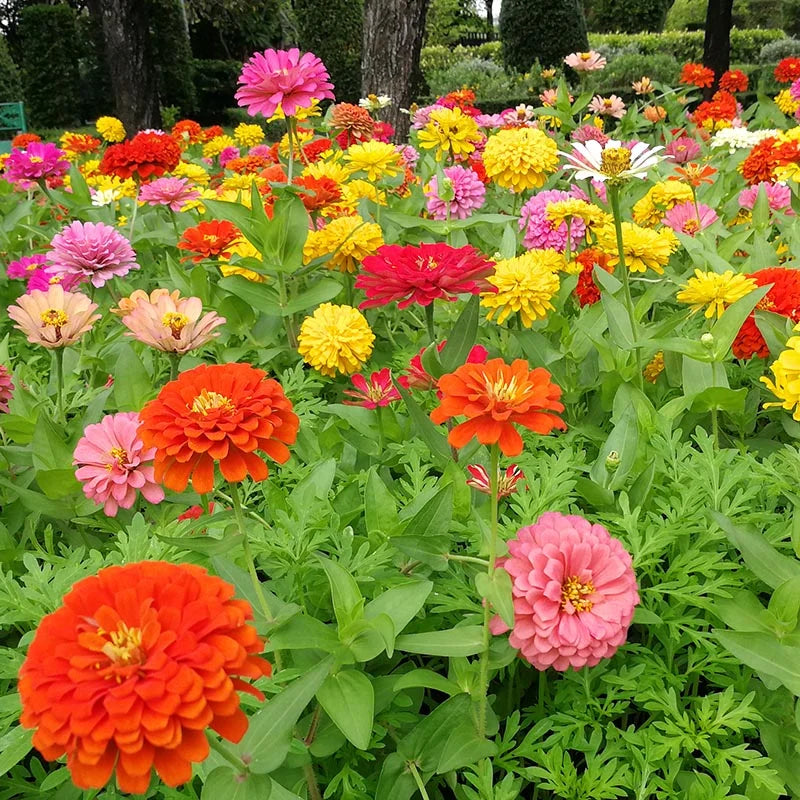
(506, 480)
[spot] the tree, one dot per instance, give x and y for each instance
(173, 55)
(543, 30)
(393, 33)
(717, 43)
(128, 47)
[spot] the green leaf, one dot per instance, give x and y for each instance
(14, 746)
(606, 281)
(207, 545)
(761, 557)
(302, 632)
(380, 507)
(775, 328)
(426, 430)
(230, 784)
(785, 603)
(619, 322)
(764, 653)
(428, 679)
(58, 483)
(260, 296)
(323, 290)
(269, 735)
(464, 641)
(400, 603)
(349, 700)
(50, 451)
(497, 590)
(430, 550)
(132, 382)
(347, 599)
(623, 440)
(729, 324)
(462, 337)
(395, 781)
(718, 397)
(285, 235)
(742, 612)
(434, 517)
(463, 748)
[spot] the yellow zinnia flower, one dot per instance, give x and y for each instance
(111, 183)
(654, 367)
(525, 284)
(335, 339)
(348, 240)
(353, 191)
(661, 197)
(520, 158)
(376, 159)
(786, 370)
(192, 172)
(243, 249)
(786, 103)
(563, 211)
(304, 136)
(110, 128)
(643, 247)
(714, 291)
(332, 168)
(217, 145)
(449, 130)
(302, 113)
(248, 134)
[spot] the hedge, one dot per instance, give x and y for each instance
(173, 56)
(438, 57)
(10, 84)
(215, 83)
(628, 16)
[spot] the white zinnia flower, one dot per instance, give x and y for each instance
(612, 161)
(739, 138)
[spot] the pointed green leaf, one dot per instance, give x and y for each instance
(349, 700)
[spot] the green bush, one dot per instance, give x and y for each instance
(691, 14)
(773, 52)
(332, 30)
(790, 17)
(10, 84)
(438, 57)
(173, 56)
(540, 29)
(686, 15)
(628, 16)
(215, 84)
(95, 83)
(450, 20)
(488, 80)
(47, 37)
(623, 71)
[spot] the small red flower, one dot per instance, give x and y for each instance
(506, 481)
(377, 391)
(195, 512)
(734, 80)
(212, 238)
(416, 376)
(22, 140)
(147, 154)
(697, 75)
(324, 192)
(314, 149)
(587, 291)
(187, 131)
(788, 70)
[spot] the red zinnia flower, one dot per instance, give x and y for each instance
(195, 512)
(22, 140)
(314, 149)
(506, 481)
(212, 238)
(187, 131)
(371, 393)
(145, 155)
(697, 75)
(760, 163)
(587, 291)
(494, 397)
(221, 414)
(419, 274)
(783, 298)
(131, 669)
(788, 70)
(211, 133)
(721, 107)
(353, 122)
(734, 80)
(325, 190)
(77, 143)
(417, 377)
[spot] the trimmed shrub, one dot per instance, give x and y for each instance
(540, 29)
(332, 30)
(488, 80)
(690, 15)
(95, 82)
(628, 16)
(686, 15)
(173, 56)
(438, 57)
(450, 20)
(773, 52)
(47, 37)
(10, 83)
(790, 17)
(215, 84)
(624, 70)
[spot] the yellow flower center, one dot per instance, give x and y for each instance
(211, 238)
(119, 455)
(586, 56)
(691, 226)
(36, 159)
(55, 317)
(56, 279)
(573, 592)
(175, 321)
(125, 647)
(615, 160)
(207, 401)
(502, 391)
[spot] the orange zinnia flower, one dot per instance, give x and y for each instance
(212, 238)
(697, 75)
(695, 174)
(219, 413)
(494, 397)
(325, 190)
(133, 667)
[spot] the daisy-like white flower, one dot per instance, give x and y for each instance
(613, 161)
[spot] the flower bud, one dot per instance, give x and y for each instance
(707, 340)
(612, 461)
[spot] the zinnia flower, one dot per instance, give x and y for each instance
(222, 414)
(148, 153)
(450, 132)
(494, 397)
(734, 80)
(38, 161)
(462, 193)
(697, 75)
(187, 131)
(788, 70)
(585, 62)
(335, 339)
(644, 248)
(682, 149)
(45, 277)
(714, 291)
(417, 377)
(93, 251)
(169, 322)
(540, 232)
(643, 86)
(520, 158)
(125, 676)
(346, 240)
(786, 103)
(24, 266)
(786, 386)
(779, 197)
(22, 140)
(506, 480)
(377, 159)
(248, 134)
(420, 274)
(353, 123)
(54, 318)
(76, 144)
(574, 592)
(611, 161)
(282, 79)
(6, 388)
(654, 367)
(586, 290)
(689, 217)
(113, 464)
(526, 284)
(174, 193)
(110, 128)
(208, 239)
(375, 392)
(608, 106)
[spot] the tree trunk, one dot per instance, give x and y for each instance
(717, 44)
(393, 33)
(126, 32)
(489, 14)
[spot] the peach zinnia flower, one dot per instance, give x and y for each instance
(169, 322)
(494, 397)
(54, 318)
(221, 414)
(131, 669)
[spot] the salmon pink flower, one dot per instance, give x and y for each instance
(612, 106)
(779, 197)
(689, 217)
(114, 465)
(682, 150)
(574, 592)
(6, 388)
(506, 480)
(174, 193)
(376, 392)
(126, 675)
(54, 318)
(585, 62)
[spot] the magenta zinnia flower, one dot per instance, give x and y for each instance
(23, 267)
(174, 193)
(377, 390)
(45, 277)
(683, 149)
(689, 218)
(282, 79)
(464, 194)
(38, 160)
(113, 463)
(93, 251)
(6, 388)
(419, 274)
(574, 592)
(779, 197)
(539, 231)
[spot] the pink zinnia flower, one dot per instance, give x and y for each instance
(464, 194)
(93, 251)
(45, 277)
(779, 196)
(6, 388)
(377, 391)
(228, 154)
(539, 231)
(261, 151)
(174, 193)
(490, 120)
(417, 377)
(608, 106)
(420, 274)
(585, 62)
(588, 133)
(169, 322)
(688, 218)
(409, 154)
(794, 91)
(382, 131)
(574, 592)
(683, 149)
(38, 160)
(23, 267)
(113, 463)
(282, 79)
(506, 481)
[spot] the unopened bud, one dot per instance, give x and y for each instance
(612, 461)
(707, 340)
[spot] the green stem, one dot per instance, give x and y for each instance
(174, 361)
(412, 768)
(283, 299)
(348, 288)
(467, 559)
(715, 427)
(381, 433)
(58, 357)
(483, 700)
(568, 252)
(311, 782)
(290, 165)
(223, 751)
(613, 197)
(135, 211)
(429, 322)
